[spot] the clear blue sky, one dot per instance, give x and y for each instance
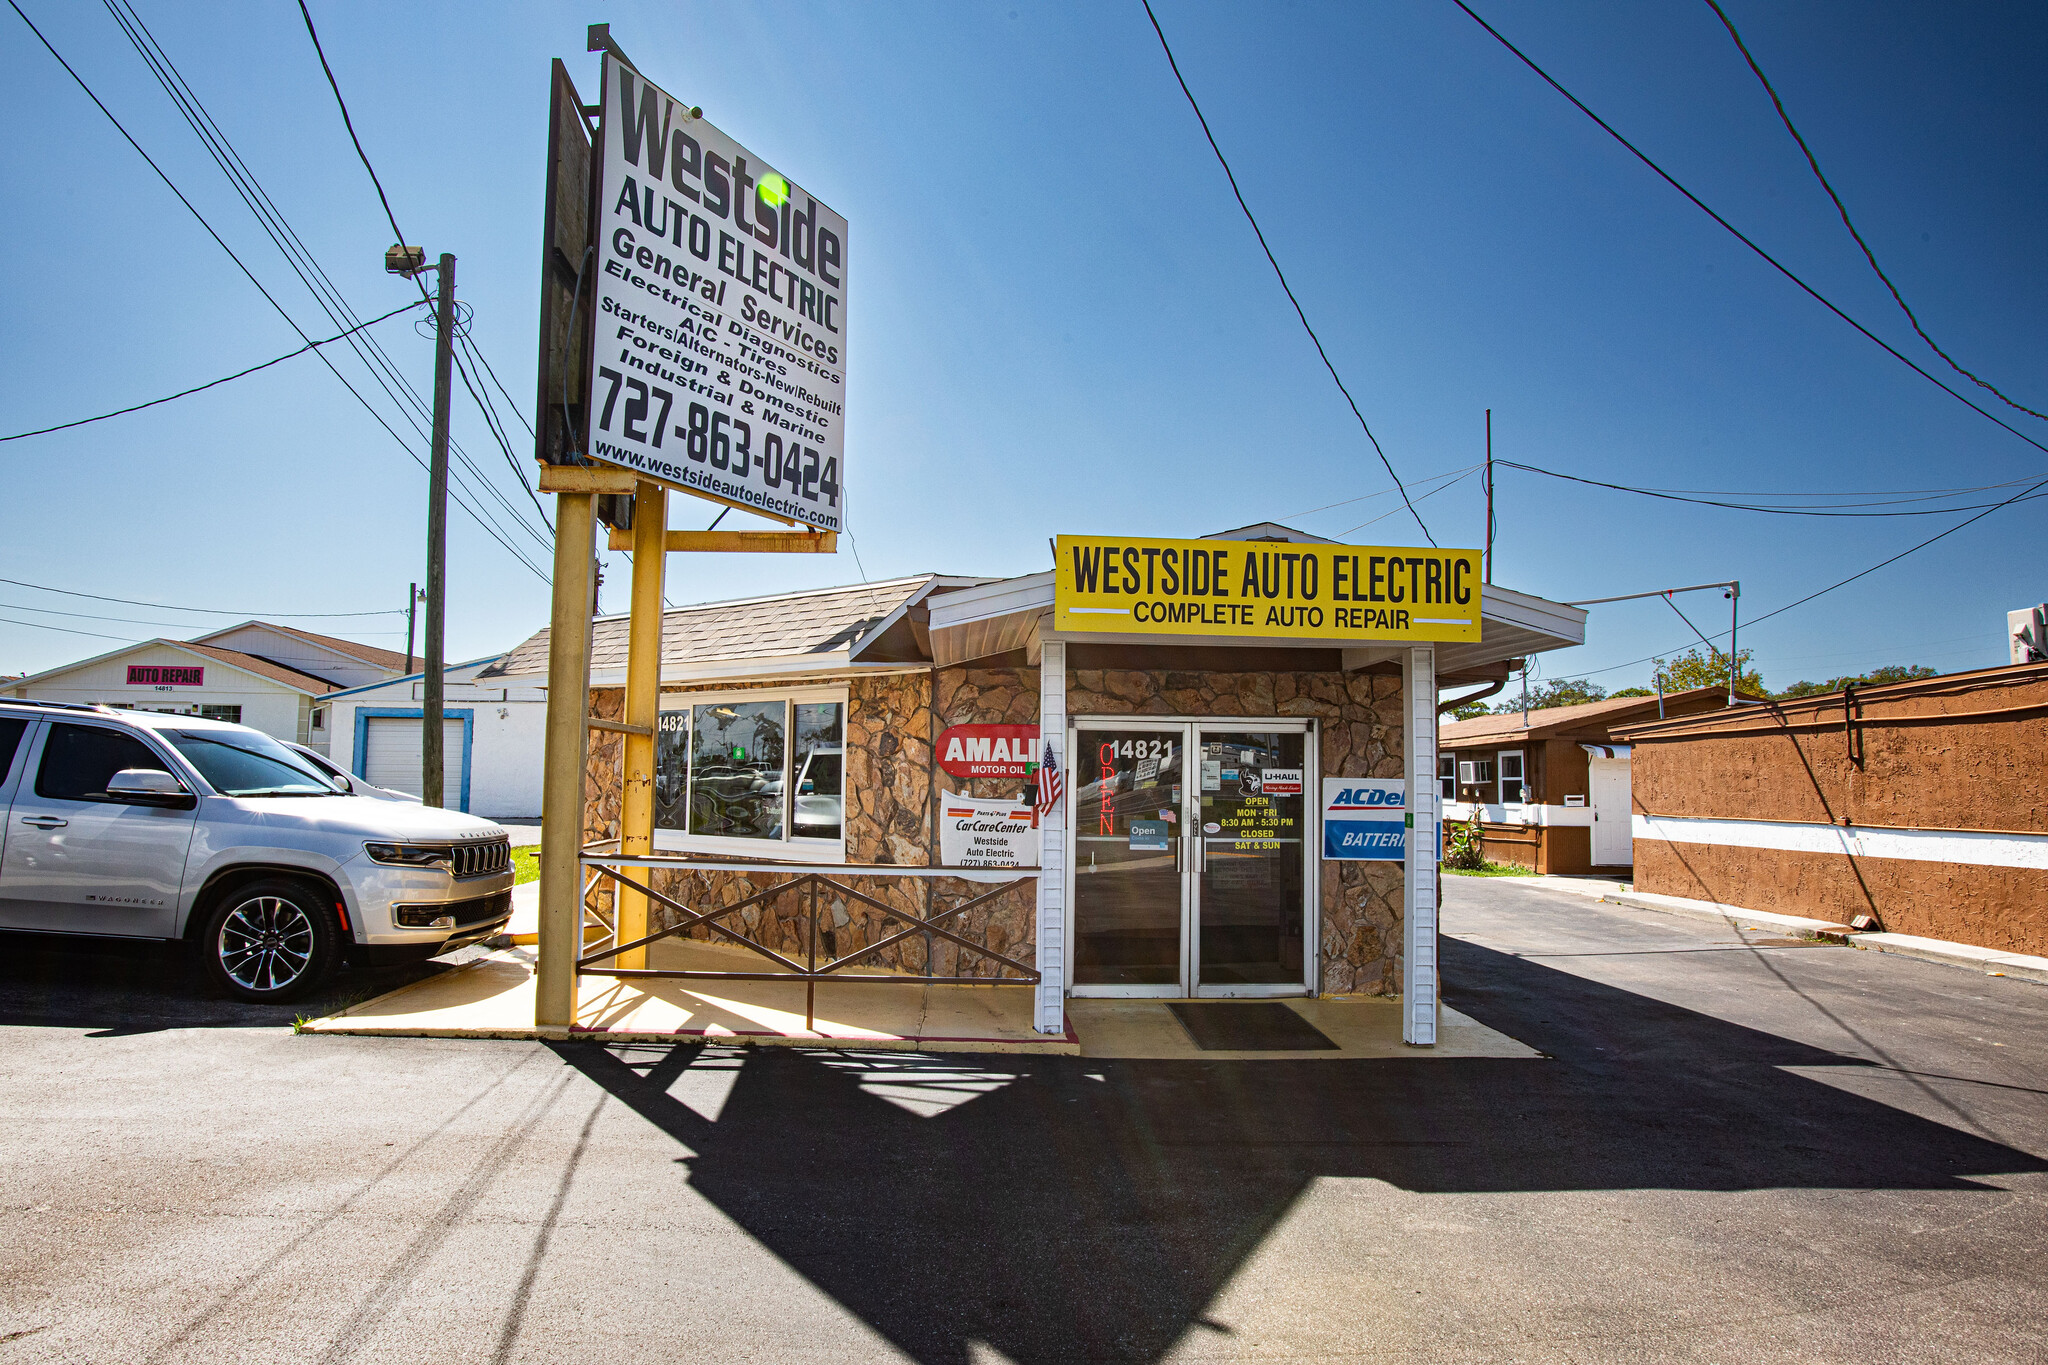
(1059, 319)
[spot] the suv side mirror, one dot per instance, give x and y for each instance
(149, 787)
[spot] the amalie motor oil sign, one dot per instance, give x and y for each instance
(989, 750)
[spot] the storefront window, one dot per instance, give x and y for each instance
(761, 769)
(819, 764)
(736, 756)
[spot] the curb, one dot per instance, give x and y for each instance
(1989, 961)
(1736, 915)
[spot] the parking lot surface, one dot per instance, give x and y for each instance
(1729, 1151)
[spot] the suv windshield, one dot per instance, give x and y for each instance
(249, 763)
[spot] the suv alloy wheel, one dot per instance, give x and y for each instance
(271, 941)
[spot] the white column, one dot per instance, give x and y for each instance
(1050, 1016)
(1418, 911)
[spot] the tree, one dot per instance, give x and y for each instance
(1469, 710)
(1876, 677)
(1696, 669)
(1631, 692)
(1556, 692)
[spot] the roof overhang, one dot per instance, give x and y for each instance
(1017, 613)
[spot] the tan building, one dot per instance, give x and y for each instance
(1550, 787)
(1922, 805)
(813, 728)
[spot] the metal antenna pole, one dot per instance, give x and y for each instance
(431, 757)
(412, 605)
(1489, 495)
(1734, 654)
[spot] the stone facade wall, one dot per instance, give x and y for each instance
(1360, 715)
(889, 821)
(893, 787)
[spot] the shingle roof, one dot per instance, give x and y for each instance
(276, 672)
(369, 654)
(788, 624)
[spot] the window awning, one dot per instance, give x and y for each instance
(1606, 750)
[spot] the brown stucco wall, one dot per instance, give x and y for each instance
(893, 785)
(1916, 758)
(1991, 907)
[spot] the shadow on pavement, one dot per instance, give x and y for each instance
(1065, 1208)
(126, 986)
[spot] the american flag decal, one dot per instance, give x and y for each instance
(1048, 782)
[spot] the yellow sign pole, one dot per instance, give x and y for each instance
(561, 816)
(643, 704)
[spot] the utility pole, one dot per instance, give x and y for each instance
(431, 757)
(1489, 495)
(412, 603)
(411, 262)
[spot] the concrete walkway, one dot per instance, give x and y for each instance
(493, 997)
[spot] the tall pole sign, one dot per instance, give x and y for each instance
(717, 361)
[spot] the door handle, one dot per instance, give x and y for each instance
(44, 821)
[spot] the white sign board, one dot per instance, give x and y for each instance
(980, 833)
(718, 360)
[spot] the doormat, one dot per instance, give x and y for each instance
(1249, 1026)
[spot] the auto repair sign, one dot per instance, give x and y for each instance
(1364, 820)
(989, 750)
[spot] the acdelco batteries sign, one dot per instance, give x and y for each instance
(1364, 820)
(718, 359)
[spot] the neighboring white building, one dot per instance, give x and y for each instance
(493, 739)
(272, 678)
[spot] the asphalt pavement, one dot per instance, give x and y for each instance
(1730, 1151)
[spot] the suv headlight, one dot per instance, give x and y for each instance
(411, 855)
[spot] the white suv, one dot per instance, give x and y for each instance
(132, 824)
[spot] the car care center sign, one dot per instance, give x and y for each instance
(977, 833)
(1364, 820)
(1268, 589)
(718, 362)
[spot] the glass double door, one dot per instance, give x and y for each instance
(1189, 853)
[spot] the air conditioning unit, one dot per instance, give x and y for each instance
(2028, 630)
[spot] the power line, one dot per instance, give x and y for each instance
(1752, 507)
(510, 401)
(392, 218)
(327, 295)
(268, 297)
(1739, 236)
(223, 154)
(97, 635)
(201, 388)
(1868, 254)
(203, 611)
(1277, 271)
(2024, 495)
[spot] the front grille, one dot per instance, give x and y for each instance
(481, 859)
(478, 910)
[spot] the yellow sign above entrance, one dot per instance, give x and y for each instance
(1369, 594)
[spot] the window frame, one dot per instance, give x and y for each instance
(1520, 779)
(1447, 776)
(789, 848)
